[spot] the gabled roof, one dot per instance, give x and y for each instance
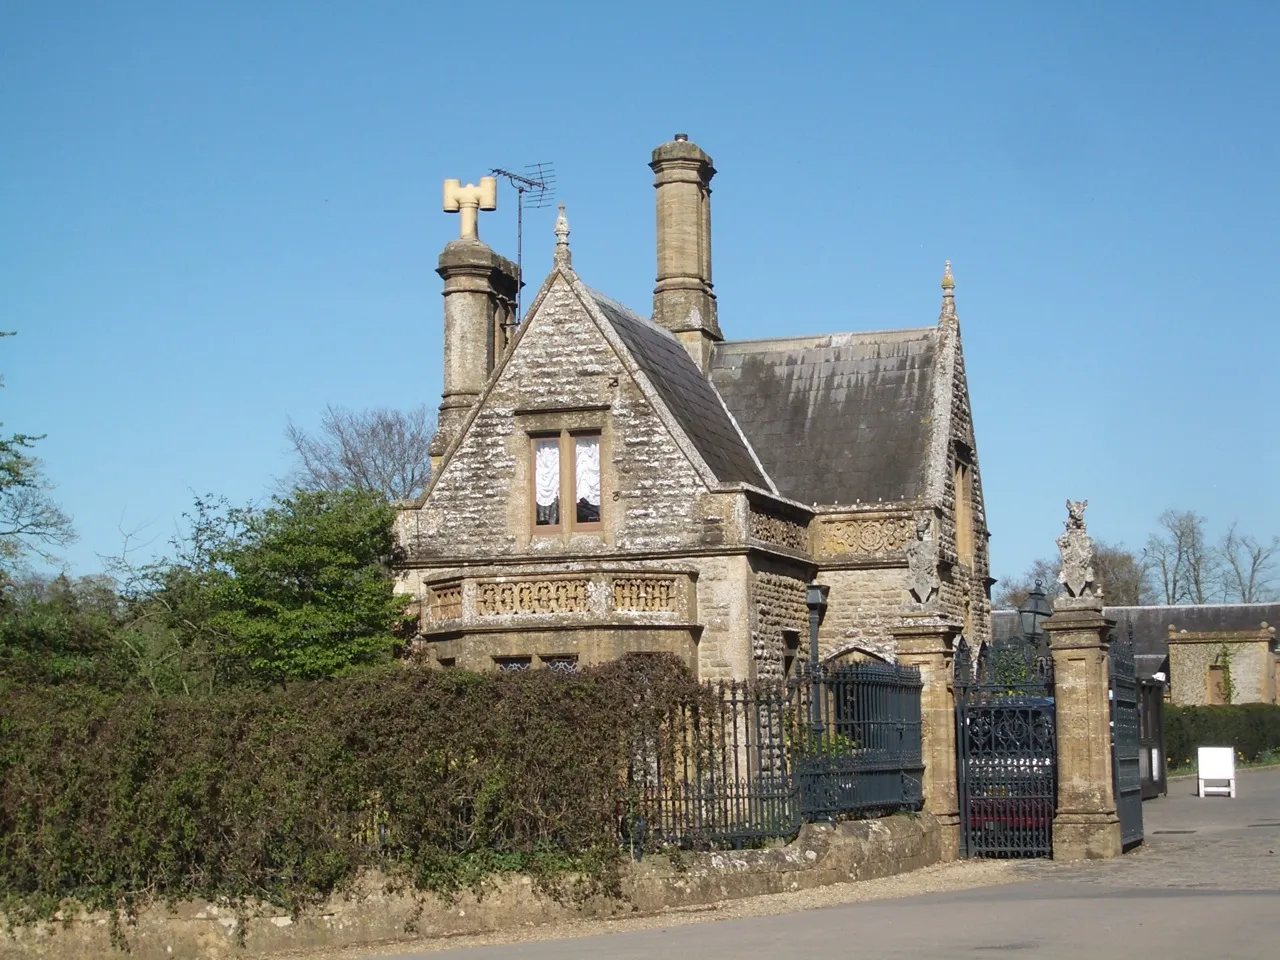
(838, 418)
(690, 397)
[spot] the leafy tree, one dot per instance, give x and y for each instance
(57, 629)
(299, 590)
(376, 451)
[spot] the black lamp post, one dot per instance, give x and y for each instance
(815, 599)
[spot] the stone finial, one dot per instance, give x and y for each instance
(468, 201)
(948, 295)
(562, 239)
(1076, 551)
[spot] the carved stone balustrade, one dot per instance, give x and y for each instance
(593, 597)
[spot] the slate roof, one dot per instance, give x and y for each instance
(1151, 625)
(836, 418)
(689, 396)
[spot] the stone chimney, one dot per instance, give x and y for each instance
(683, 301)
(479, 311)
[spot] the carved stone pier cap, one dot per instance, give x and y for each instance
(1075, 549)
(468, 200)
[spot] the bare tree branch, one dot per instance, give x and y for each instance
(1186, 565)
(1248, 567)
(379, 451)
(30, 522)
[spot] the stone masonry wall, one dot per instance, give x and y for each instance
(862, 608)
(778, 607)
(965, 582)
(480, 505)
(724, 651)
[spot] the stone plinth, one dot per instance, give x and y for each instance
(1086, 826)
(928, 644)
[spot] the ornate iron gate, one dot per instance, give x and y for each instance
(1126, 727)
(1006, 743)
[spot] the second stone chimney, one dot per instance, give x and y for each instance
(480, 290)
(683, 300)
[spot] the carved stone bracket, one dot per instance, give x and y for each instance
(922, 560)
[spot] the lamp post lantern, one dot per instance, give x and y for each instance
(816, 600)
(1034, 610)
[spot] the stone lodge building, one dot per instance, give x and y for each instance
(607, 483)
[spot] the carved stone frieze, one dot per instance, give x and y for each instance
(504, 598)
(874, 536)
(646, 595)
(779, 531)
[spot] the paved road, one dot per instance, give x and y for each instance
(1205, 883)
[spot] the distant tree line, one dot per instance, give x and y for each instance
(1179, 564)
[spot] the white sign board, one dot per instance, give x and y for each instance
(1216, 766)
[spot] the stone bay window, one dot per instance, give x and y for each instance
(566, 482)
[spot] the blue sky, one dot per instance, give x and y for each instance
(217, 216)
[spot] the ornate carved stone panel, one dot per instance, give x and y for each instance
(502, 599)
(445, 602)
(646, 595)
(779, 531)
(878, 535)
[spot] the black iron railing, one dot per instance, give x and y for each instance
(751, 761)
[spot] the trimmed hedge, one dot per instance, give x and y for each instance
(1251, 728)
(439, 777)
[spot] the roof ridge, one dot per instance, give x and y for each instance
(818, 336)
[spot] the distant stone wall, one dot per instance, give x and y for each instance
(1247, 655)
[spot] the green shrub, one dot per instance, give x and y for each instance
(439, 777)
(1252, 729)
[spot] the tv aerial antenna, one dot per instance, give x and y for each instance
(539, 182)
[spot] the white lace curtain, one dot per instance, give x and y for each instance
(587, 471)
(546, 482)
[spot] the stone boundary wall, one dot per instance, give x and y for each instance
(374, 913)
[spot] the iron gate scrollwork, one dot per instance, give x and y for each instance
(1006, 744)
(1126, 731)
